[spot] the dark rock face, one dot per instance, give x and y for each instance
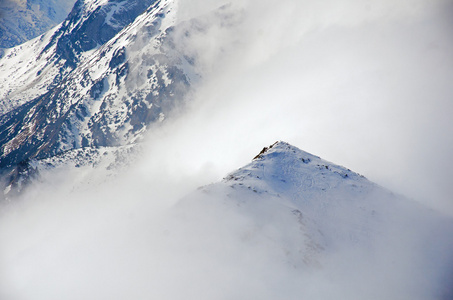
(85, 30)
(119, 57)
(30, 130)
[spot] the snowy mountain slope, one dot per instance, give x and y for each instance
(116, 91)
(23, 20)
(30, 70)
(313, 212)
(96, 85)
(26, 72)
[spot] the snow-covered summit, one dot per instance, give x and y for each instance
(312, 204)
(283, 155)
(337, 205)
(288, 170)
(311, 214)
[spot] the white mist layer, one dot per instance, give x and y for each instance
(127, 239)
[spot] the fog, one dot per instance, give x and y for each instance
(365, 84)
(127, 239)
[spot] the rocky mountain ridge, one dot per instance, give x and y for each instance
(92, 90)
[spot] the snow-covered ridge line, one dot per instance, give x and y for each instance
(293, 154)
(31, 69)
(108, 100)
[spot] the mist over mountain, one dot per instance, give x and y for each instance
(95, 81)
(287, 225)
(320, 219)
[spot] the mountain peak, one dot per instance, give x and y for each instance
(282, 155)
(284, 170)
(326, 204)
(308, 211)
(283, 147)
